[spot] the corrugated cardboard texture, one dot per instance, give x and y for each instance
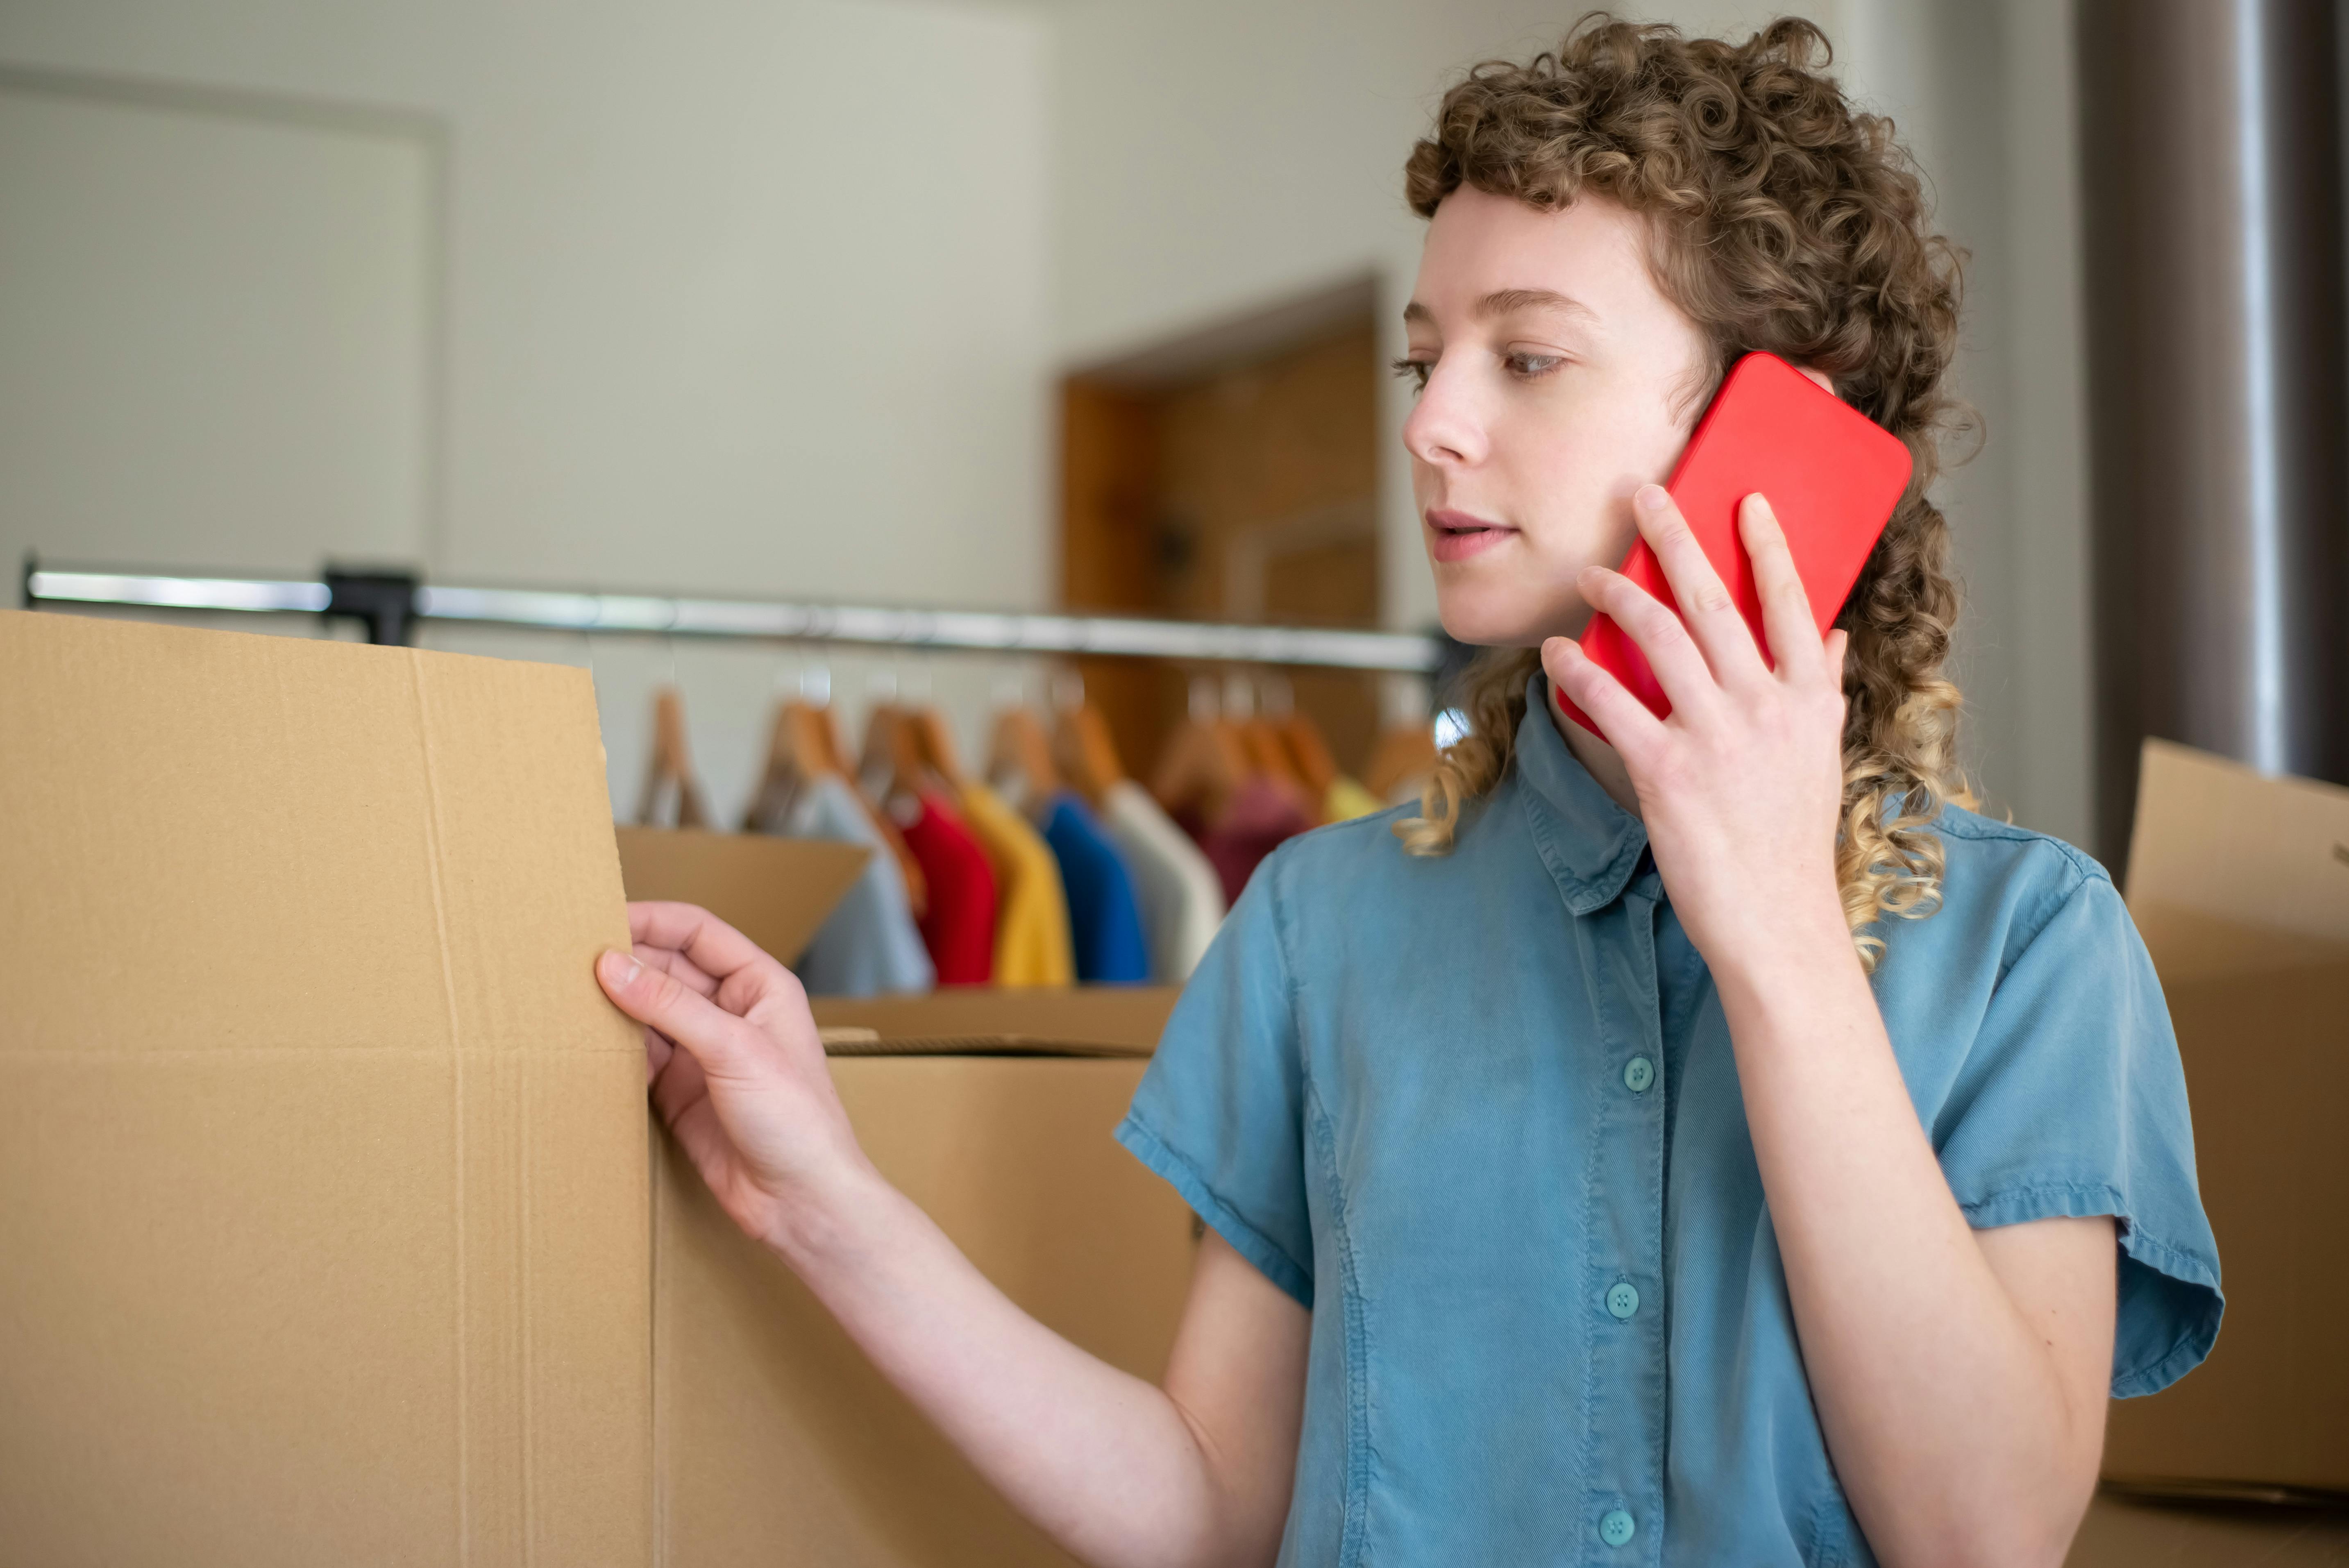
(776, 892)
(325, 1234)
(2235, 881)
(1125, 1020)
(777, 1442)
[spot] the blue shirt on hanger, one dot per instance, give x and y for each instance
(1105, 920)
(1479, 1114)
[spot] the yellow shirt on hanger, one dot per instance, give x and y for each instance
(1347, 800)
(1031, 921)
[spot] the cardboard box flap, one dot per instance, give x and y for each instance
(776, 892)
(2232, 871)
(975, 1045)
(325, 1238)
(1082, 1020)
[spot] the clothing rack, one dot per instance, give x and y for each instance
(390, 604)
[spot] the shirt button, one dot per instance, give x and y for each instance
(1622, 1301)
(1616, 1527)
(1638, 1074)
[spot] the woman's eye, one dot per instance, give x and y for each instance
(1529, 366)
(1414, 371)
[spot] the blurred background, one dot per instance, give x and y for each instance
(897, 301)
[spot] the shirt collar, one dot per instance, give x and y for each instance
(1590, 844)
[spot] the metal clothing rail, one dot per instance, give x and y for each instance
(389, 604)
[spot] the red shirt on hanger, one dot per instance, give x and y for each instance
(959, 927)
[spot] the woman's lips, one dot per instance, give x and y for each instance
(1458, 536)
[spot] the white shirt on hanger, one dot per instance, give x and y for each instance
(1181, 897)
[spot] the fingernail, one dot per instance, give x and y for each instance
(618, 968)
(1652, 498)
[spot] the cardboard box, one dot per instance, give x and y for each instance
(2239, 883)
(327, 1231)
(774, 890)
(324, 1230)
(1080, 1020)
(776, 1441)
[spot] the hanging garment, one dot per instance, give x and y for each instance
(869, 943)
(1347, 799)
(1104, 918)
(1262, 816)
(1032, 946)
(959, 925)
(1181, 897)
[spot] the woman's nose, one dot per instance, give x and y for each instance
(1445, 429)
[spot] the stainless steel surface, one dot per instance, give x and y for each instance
(256, 594)
(2219, 393)
(967, 630)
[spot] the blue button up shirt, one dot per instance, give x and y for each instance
(1549, 1321)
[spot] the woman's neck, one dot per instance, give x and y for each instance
(1600, 758)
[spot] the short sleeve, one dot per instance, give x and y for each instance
(2073, 1103)
(1220, 1112)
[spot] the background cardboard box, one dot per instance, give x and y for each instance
(776, 892)
(2239, 883)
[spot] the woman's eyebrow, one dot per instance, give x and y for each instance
(1508, 302)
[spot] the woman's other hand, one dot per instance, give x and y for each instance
(1117, 1471)
(736, 1066)
(1742, 785)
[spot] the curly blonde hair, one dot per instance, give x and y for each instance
(1780, 219)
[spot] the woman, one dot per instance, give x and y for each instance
(1709, 1144)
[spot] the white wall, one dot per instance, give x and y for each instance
(1222, 155)
(738, 296)
(214, 325)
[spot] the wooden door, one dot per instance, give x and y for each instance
(1245, 489)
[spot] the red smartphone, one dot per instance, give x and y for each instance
(1832, 474)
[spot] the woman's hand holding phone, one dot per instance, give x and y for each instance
(736, 1066)
(1742, 785)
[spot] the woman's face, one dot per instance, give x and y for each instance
(1557, 379)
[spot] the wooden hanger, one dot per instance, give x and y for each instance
(1309, 752)
(1022, 747)
(671, 764)
(799, 746)
(1268, 756)
(1204, 764)
(892, 761)
(918, 886)
(1087, 755)
(934, 740)
(803, 744)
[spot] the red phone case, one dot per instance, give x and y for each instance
(1832, 474)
